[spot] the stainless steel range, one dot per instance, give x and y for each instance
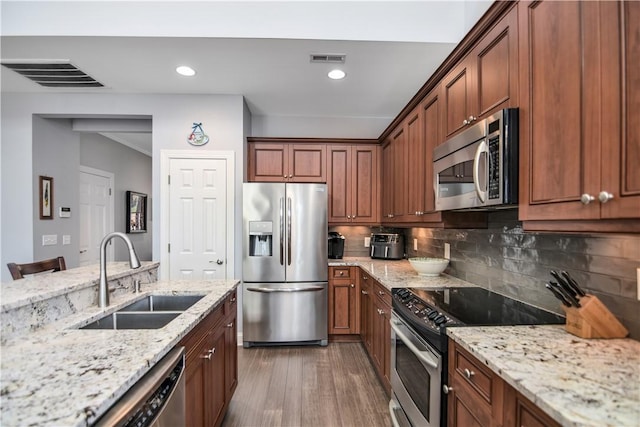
(419, 343)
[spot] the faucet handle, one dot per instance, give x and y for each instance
(136, 286)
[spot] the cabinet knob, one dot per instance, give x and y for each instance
(468, 373)
(605, 196)
(586, 198)
(208, 355)
(342, 273)
(446, 389)
(472, 119)
(380, 312)
(233, 299)
(285, 175)
(465, 122)
(353, 286)
(290, 176)
(230, 325)
(363, 292)
(353, 217)
(381, 293)
(348, 216)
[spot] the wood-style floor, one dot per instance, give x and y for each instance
(307, 386)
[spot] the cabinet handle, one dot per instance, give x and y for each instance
(468, 373)
(230, 325)
(353, 286)
(586, 198)
(605, 196)
(363, 292)
(446, 389)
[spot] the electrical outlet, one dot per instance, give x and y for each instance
(447, 251)
(66, 239)
(415, 244)
(49, 239)
(367, 242)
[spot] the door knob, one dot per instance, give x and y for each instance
(587, 198)
(605, 196)
(219, 262)
(446, 389)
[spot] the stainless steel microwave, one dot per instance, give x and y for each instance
(478, 168)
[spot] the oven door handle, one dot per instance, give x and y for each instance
(419, 353)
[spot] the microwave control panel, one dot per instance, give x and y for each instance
(494, 168)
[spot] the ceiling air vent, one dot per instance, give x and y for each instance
(331, 58)
(53, 74)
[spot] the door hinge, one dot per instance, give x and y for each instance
(169, 247)
(109, 191)
(169, 179)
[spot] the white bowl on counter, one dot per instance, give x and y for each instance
(429, 266)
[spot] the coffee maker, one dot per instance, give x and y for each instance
(335, 245)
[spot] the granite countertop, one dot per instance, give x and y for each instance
(578, 382)
(63, 376)
(398, 273)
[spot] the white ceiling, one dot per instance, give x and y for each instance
(258, 49)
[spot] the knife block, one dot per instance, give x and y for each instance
(593, 320)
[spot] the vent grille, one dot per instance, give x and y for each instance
(53, 74)
(331, 58)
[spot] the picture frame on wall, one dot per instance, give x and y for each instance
(136, 214)
(46, 197)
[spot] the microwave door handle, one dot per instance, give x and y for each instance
(482, 148)
(281, 230)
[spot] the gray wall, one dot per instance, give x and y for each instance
(506, 259)
(222, 117)
(132, 172)
(56, 153)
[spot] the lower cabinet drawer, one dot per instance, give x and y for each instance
(468, 371)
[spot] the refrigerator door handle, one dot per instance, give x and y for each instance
(289, 237)
(271, 290)
(281, 230)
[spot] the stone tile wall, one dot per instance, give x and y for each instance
(507, 260)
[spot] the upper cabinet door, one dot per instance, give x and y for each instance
(621, 138)
(285, 162)
(579, 122)
(415, 166)
(387, 184)
(486, 80)
(365, 188)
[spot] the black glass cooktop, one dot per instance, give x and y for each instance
(481, 307)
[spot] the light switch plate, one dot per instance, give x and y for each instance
(447, 251)
(415, 244)
(66, 239)
(367, 242)
(49, 239)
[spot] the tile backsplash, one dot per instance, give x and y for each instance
(509, 261)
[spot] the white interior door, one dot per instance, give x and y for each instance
(95, 213)
(198, 218)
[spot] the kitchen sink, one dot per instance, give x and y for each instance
(163, 303)
(133, 320)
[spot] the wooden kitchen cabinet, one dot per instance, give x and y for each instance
(344, 301)
(387, 181)
(286, 162)
(478, 397)
(353, 182)
(579, 127)
(486, 80)
(211, 366)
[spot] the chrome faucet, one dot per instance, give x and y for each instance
(134, 262)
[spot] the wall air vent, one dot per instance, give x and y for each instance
(330, 58)
(53, 74)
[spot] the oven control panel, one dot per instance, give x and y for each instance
(419, 310)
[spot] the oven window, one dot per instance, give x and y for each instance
(415, 377)
(456, 180)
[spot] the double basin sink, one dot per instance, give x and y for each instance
(150, 312)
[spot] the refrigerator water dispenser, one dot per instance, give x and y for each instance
(260, 238)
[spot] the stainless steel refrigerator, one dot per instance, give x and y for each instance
(284, 264)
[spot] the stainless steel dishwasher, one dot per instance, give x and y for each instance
(156, 400)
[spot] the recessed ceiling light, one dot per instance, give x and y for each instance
(186, 71)
(336, 74)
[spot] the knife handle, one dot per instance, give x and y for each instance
(573, 284)
(558, 295)
(567, 295)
